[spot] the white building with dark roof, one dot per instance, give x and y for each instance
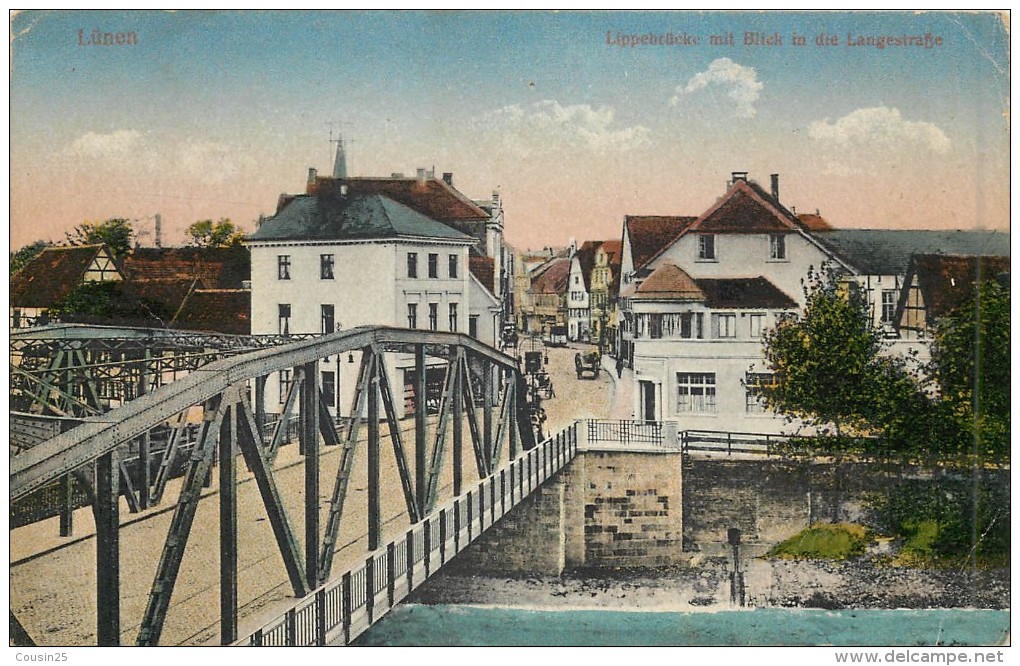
(335, 259)
(698, 293)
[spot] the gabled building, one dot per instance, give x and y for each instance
(579, 292)
(605, 287)
(52, 275)
(698, 293)
(549, 294)
(936, 284)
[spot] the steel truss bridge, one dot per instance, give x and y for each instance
(445, 502)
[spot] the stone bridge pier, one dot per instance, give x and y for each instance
(607, 508)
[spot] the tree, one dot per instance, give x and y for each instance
(27, 254)
(206, 233)
(970, 364)
(830, 370)
(116, 233)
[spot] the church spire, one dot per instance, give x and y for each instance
(340, 164)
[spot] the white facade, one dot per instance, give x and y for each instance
(306, 288)
(578, 303)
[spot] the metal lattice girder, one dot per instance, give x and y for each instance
(343, 475)
(438, 449)
(98, 435)
(396, 439)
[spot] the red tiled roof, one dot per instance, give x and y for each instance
(813, 222)
(553, 279)
(431, 197)
(614, 248)
(216, 267)
(670, 282)
(946, 281)
(484, 268)
(651, 233)
(741, 212)
(51, 275)
(218, 310)
(169, 295)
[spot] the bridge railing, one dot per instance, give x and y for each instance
(338, 612)
(716, 441)
(630, 435)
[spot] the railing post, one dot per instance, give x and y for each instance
(345, 594)
(469, 516)
(291, 628)
(409, 541)
(442, 537)
(512, 465)
(256, 638)
(391, 572)
(492, 497)
(370, 588)
(427, 546)
(320, 617)
(729, 443)
(481, 507)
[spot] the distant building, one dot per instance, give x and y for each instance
(549, 293)
(52, 276)
(936, 284)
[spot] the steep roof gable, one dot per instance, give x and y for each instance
(553, 279)
(947, 281)
(52, 275)
(649, 234)
(746, 209)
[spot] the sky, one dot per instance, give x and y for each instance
(576, 118)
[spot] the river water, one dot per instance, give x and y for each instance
(464, 625)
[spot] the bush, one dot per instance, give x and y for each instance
(948, 521)
(824, 541)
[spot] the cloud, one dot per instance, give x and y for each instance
(740, 84)
(92, 145)
(209, 160)
(879, 127)
(548, 126)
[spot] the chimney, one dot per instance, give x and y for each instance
(448, 178)
(159, 230)
(775, 186)
(495, 199)
(738, 175)
(312, 174)
(421, 175)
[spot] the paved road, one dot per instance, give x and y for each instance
(53, 594)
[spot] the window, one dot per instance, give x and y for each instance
(706, 247)
(329, 387)
(453, 316)
(577, 279)
(753, 383)
(412, 264)
(284, 385)
(454, 262)
(283, 266)
(757, 324)
(888, 305)
(695, 392)
(473, 326)
(284, 311)
(724, 325)
(433, 265)
(655, 325)
(326, 266)
(433, 316)
(777, 247)
(328, 325)
(412, 315)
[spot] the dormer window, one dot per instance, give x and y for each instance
(706, 247)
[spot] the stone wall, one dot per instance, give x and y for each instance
(605, 509)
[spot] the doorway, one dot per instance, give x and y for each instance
(647, 390)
